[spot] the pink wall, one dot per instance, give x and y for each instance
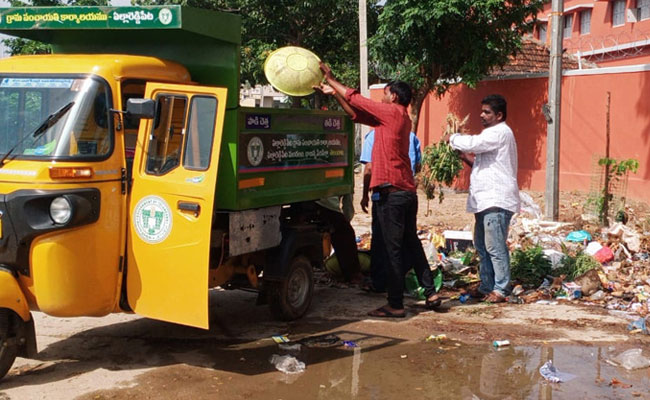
(583, 126)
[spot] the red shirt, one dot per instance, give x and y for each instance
(390, 152)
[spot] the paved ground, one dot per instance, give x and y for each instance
(128, 357)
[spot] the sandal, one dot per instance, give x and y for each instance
(433, 302)
(495, 297)
(384, 312)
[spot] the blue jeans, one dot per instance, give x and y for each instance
(490, 234)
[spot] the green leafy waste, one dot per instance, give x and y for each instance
(574, 266)
(442, 164)
(529, 266)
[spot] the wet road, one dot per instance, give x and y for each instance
(385, 368)
(128, 357)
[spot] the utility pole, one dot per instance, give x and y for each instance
(363, 58)
(363, 48)
(552, 195)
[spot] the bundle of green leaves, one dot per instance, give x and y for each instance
(529, 266)
(575, 265)
(441, 164)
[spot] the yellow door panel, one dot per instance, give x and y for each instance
(171, 203)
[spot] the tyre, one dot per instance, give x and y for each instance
(8, 344)
(289, 299)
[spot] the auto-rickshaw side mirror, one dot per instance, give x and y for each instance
(141, 108)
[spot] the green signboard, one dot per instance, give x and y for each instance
(145, 17)
(291, 141)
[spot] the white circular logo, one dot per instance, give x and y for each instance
(152, 219)
(165, 16)
(255, 151)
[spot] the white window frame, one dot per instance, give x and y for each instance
(644, 9)
(567, 26)
(542, 30)
(618, 13)
(585, 22)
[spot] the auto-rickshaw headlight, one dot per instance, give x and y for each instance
(60, 210)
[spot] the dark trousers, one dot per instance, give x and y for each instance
(378, 257)
(344, 242)
(396, 215)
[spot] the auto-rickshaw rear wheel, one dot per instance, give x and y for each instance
(290, 298)
(8, 344)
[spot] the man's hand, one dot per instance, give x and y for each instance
(465, 158)
(325, 89)
(327, 71)
(445, 138)
(364, 203)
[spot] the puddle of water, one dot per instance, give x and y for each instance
(381, 368)
(389, 368)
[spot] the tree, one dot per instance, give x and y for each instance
(434, 44)
(327, 27)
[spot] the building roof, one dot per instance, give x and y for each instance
(534, 58)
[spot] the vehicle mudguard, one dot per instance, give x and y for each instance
(303, 239)
(12, 297)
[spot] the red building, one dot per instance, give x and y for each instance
(608, 33)
(622, 76)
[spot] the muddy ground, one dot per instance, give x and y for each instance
(128, 357)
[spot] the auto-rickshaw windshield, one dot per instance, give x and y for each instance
(27, 101)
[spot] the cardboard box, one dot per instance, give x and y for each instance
(573, 290)
(458, 240)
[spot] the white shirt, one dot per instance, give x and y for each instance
(493, 182)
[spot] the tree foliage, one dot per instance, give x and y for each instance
(329, 28)
(433, 44)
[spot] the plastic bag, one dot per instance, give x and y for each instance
(578, 236)
(556, 258)
(413, 286)
(287, 364)
(529, 206)
(604, 255)
(593, 248)
(638, 324)
(551, 374)
(633, 359)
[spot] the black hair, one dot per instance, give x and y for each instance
(497, 103)
(402, 90)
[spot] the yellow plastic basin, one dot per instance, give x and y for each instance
(293, 70)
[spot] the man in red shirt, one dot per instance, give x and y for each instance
(392, 183)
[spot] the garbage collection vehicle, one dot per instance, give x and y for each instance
(132, 181)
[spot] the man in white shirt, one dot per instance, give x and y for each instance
(493, 194)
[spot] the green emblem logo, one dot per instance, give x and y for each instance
(165, 16)
(152, 219)
(255, 151)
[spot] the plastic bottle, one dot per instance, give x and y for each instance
(501, 343)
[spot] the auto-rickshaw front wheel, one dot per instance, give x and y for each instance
(8, 344)
(290, 298)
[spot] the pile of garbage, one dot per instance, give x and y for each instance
(607, 266)
(576, 261)
(552, 261)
